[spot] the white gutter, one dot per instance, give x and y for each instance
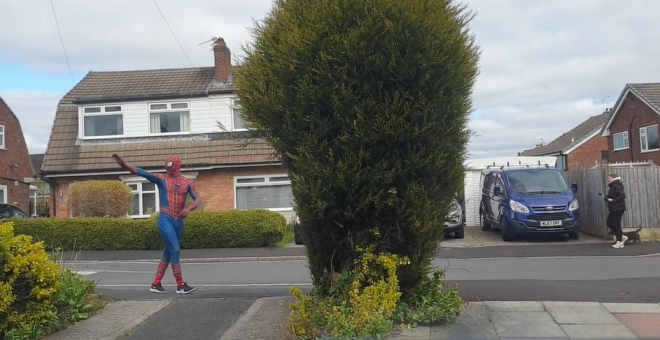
(183, 169)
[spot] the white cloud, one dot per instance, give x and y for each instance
(36, 111)
(543, 61)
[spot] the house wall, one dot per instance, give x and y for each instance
(634, 111)
(15, 166)
(588, 154)
(214, 187)
(205, 113)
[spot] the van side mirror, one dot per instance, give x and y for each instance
(574, 187)
(497, 191)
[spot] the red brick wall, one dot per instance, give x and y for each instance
(215, 187)
(643, 116)
(588, 154)
(14, 153)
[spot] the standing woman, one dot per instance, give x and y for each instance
(616, 204)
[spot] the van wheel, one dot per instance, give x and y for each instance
(507, 236)
(485, 225)
(574, 236)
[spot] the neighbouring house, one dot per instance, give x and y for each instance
(146, 115)
(582, 147)
(15, 168)
(632, 131)
(39, 189)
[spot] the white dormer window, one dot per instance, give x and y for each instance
(102, 121)
(169, 118)
(2, 137)
(237, 115)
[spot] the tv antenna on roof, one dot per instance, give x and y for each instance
(213, 39)
(602, 99)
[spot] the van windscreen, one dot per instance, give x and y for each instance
(537, 182)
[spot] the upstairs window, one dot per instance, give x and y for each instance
(648, 138)
(169, 118)
(237, 115)
(2, 136)
(620, 141)
(103, 121)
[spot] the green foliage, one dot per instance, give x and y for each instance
(38, 297)
(367, 102)
(252, 228)
(430, 303)
(99, 199)
(359, 306)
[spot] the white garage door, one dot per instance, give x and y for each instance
(472, 197)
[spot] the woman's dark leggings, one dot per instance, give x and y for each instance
(614, 223)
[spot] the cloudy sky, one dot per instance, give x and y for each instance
(543, 62)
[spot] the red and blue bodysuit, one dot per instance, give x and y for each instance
(173, 189)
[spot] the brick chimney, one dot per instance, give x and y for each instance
(222, 57)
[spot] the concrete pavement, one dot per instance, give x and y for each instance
(264, 319)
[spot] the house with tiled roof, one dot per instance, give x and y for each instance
(581, 147)
(144, 116)
(15, 168)
(632, 131)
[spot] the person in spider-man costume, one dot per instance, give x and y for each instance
(173, 189)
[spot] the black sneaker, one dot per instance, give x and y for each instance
(157, 289)
(184, 289)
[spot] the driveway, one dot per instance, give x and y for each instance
(475, 237)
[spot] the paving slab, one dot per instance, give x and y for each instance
(473, 324)
(630, 308)
(515, 306)
(581, 313)
(264, 320)
(200, 319)
(598, 332)
(644, 326)
(526, 325)
(115, 320)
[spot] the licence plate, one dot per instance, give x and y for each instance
(550, 223)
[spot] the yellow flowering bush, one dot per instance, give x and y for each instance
(360, 306)
(28, 281)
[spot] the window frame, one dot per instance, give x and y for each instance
(236, 106)
(34, 198)
(3, 138)
(5, 194)
(169, 109)
(140, 192)
(101, 113)
(267, 182)
(645, 135)
(626, 139)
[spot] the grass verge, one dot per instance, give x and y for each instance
(288, 236)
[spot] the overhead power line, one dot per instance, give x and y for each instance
(66, 56)
(174, 35)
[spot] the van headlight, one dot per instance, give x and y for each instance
(518, 207)
(574, 205)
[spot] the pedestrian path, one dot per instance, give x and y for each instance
(557, 320)
(264, 320)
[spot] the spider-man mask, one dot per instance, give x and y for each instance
(173, 165)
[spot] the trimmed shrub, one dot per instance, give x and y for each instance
(367, 102)
(28, 282)
(231, 229)
(99, 199)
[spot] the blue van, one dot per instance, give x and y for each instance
(528, 200)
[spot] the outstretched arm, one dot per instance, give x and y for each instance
(193, 194)
(137, 171)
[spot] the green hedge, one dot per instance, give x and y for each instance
(231, 229)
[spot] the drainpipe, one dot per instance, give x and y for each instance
(632, 155)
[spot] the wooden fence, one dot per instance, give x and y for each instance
(642, 196)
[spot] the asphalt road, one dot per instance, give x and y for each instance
(513, 250)
(598, 278)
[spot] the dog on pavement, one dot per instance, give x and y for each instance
(633, 236)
